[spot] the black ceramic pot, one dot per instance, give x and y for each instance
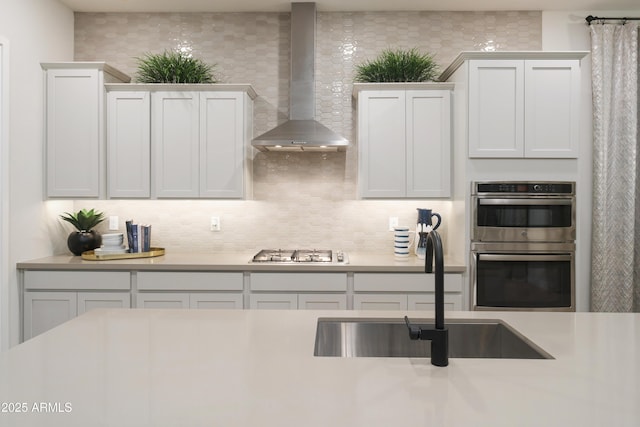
(81, 241)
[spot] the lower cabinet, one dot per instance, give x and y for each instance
(207, 290)
(46, 310)
(404, 291)
(53, 297)
(162, 300)
(288, 301)
(396, 301)
(298, 291)
(208, 300)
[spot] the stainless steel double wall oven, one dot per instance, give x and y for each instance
(523, 245)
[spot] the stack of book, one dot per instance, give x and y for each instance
(139, 237)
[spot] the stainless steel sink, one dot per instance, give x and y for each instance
(468, 338)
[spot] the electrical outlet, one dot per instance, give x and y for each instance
(114, 224)
(215, 223)
(393, 222)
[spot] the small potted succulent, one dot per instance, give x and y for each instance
(398, 66)
(85, 239)
(173, 67)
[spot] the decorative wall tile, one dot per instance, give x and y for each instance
(305, 200)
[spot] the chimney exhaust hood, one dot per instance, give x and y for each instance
(301, 132)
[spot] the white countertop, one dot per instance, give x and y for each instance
(256, 368)
(229, 261)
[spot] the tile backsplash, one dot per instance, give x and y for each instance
(301, 200)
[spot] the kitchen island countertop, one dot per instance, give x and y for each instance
(229, 261)
(256, 368)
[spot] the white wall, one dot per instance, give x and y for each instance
(37, 31)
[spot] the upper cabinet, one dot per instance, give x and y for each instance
(179, 141)
(129, 144)
(520, 104)
(74, 127)
(404, 139)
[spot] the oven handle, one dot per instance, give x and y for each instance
(516, 257)
(533, 202)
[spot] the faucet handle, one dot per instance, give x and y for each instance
(414, 331)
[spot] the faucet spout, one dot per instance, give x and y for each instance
(434, 250)
(439, 336)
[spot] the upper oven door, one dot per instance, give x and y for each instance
(523, 219)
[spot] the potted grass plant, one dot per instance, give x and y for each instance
(85, 238)
(173, 67)
(398, 65)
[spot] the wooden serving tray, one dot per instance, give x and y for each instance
(92, 256)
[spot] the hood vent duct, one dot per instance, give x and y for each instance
(301, 132)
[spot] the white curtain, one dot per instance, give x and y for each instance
(615, 257)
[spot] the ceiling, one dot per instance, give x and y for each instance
(344, 5)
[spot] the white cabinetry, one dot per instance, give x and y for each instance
(74, 127)
(404, 291)
(290, 291)
(404, 140)
(53, 297)
(520, 104)
(203, 300)
(175, 154)
(128, 144)
(169, 289)
(192, 141)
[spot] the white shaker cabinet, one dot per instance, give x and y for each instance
(189, 289)
(46, 310)
(291, 291)
(225, 127)
(302, 301)
(53, 297)
(176, 144)
(75, 127)
(128, 144)
(520, 104)
(404, 291)
(404, 140)
(199, 144)
(192, 141)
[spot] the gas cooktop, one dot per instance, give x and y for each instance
(282, 256)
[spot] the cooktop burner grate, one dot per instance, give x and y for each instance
(299, 256)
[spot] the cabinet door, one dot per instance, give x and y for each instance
(216, 300)
(496, 108)
(552, 108)
(428, 143)
(222, 144)
(128, 144)
(46, 310)
(162, 300)
(322, 301)
(273, 301)
(175, 144)
(381, 140)
(428, 302)
(387, 301)
(90, 300)
(74, 132)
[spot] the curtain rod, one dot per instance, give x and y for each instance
(598, 18)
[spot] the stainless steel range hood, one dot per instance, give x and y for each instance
(301, 132)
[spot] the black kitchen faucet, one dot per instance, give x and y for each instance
(439, 336)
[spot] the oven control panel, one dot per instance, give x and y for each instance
(555, 188)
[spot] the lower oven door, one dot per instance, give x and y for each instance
(523, 280)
